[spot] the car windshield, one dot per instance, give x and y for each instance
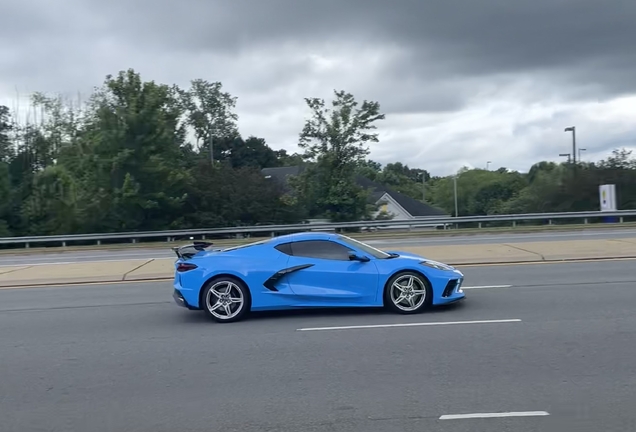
(376, 253)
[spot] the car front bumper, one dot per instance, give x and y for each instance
(452, 291)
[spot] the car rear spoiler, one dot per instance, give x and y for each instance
(188, 251)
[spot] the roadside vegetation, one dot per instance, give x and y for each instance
(136, 156)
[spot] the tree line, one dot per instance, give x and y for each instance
(139, 155)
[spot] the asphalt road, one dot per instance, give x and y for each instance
(123, 254)
(125, 358)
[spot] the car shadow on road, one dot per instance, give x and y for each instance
(347, 312)
(197, 317)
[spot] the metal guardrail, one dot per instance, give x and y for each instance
(274, 229)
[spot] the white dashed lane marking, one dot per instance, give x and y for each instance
(420, 324)
(494, 415)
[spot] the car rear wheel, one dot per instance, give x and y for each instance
(226, 299)
(408, 293)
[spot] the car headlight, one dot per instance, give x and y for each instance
(437, 265)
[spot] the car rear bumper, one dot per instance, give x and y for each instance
(183, 295)
(181, 301)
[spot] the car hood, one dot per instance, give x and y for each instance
(415, 257)
(408, 255)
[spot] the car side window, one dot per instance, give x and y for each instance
(285, 248)
(322, 249)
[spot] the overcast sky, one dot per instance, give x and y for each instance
(462, 82)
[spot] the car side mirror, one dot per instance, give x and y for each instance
(354, 257)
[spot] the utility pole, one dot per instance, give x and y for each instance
(455, 193)
(424, 186)
(573, 130)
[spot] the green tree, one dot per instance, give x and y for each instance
(479, 192)
(6, 154)
(134, 171)
(252, 152)
(52, 205)
(209, 112)
(285, 159)
(369, 169)
(404, 179)
(6, 146)
(225, 196)
(5, 199)
(335, 141)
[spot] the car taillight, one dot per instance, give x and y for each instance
(183, 267)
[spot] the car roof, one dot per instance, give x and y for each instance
(308, 235)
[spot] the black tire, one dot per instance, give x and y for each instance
(238, 290)
(421, 282)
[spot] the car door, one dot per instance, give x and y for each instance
(329, 277)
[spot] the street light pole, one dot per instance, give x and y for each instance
(565, 155)
(573, 130)
(488, 165)
(580, 150)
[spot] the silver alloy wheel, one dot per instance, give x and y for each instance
(408, 293)
(225, 300)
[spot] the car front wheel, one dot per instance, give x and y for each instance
(408, 293)
(226, 299)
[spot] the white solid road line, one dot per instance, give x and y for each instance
(441, 323)
(486, 286)
(494, 415)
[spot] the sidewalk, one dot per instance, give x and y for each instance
(162, 269)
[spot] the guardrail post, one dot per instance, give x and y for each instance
(26, 245)
(585, 221)
(549, 221)
(621, 220)
(514, 224)
(134, 241)
(99, 242)
(479, 225)
(63, 244)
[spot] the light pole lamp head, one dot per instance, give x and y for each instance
(569, 129)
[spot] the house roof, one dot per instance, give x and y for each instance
(414, 207)
(376, 191)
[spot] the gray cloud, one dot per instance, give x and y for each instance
(578, 43)
(589, 40)
(437, 58)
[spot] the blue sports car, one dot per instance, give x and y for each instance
(308, 270)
